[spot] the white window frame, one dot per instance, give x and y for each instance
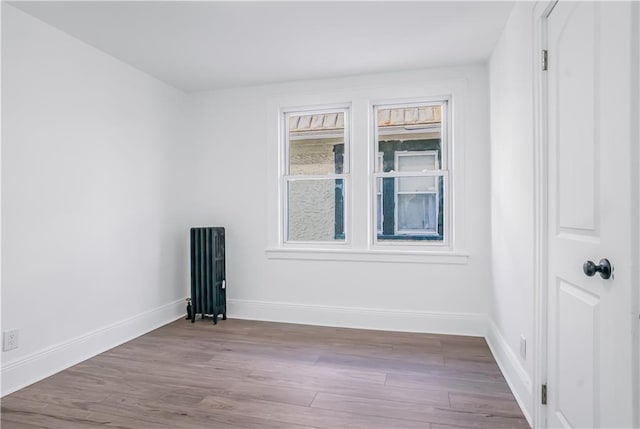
(397, 193)
(286, 177)
(444, 172)
(379, 167)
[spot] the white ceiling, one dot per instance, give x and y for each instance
(198, 46)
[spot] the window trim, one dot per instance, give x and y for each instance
(360, 245)
(432, 256)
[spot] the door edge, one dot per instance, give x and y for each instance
(541, 11)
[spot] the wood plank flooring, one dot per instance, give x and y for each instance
(247, 374)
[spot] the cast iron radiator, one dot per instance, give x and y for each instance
(208, 274)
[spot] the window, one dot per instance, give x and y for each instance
(368, 174)
(411, 172)
(315, 175)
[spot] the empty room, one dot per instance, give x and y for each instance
(314, 215)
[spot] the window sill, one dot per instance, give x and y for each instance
(392, 256)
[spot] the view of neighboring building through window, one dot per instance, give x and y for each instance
(410, 172)
(409, 179)
(315, 175)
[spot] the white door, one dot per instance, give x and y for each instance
(589, 367)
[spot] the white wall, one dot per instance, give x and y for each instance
(231, 188)
(636, 175)
(92, 247)
(512, 201)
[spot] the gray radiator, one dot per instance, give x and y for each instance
(208, 274)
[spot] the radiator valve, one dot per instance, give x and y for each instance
(188, 308)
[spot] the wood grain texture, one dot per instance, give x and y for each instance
(247, 374)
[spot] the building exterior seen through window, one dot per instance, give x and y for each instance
(409, 178)
(315, 175)
(410, 172)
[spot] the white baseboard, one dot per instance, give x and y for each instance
(517, 378)
(42, 364)
(473, 324)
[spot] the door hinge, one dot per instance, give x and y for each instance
(545, 60)
(543, 398)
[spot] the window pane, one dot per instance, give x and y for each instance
(409, 129)
(417, 184)
(417, 213)
(410, 208)
(416, 161)
(316, 210)
(316, 143)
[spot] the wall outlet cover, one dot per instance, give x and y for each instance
(523, 347)
(10, 340)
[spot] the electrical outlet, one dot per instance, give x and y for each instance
(523, 347)
(10, 340)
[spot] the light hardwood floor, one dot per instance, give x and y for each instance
(247, 374)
